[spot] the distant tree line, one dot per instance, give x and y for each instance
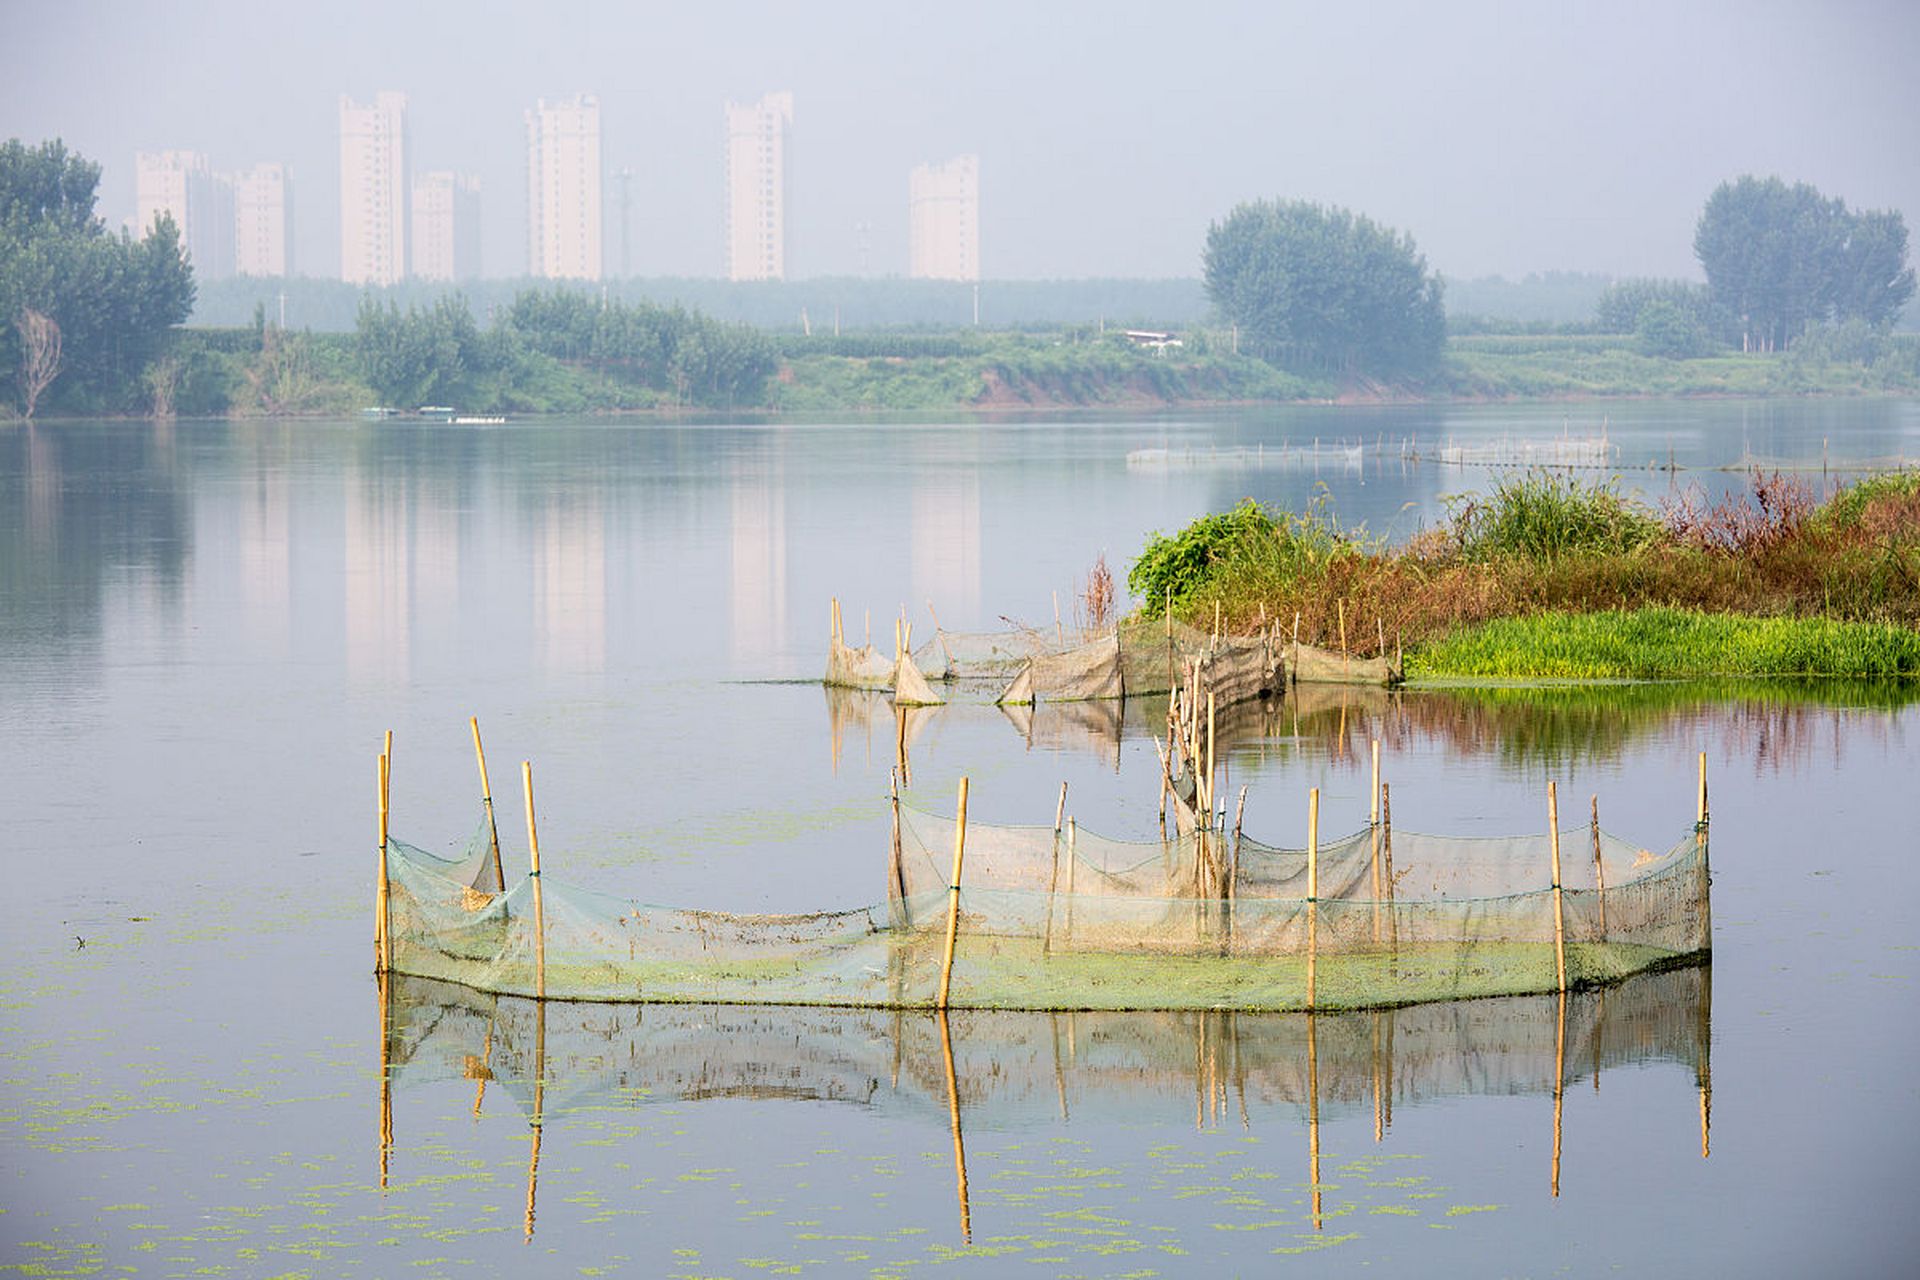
(1782, 258)
(85, 315)
(1782, 264)
(438, 354)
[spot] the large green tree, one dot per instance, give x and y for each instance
(1781, 259)
(112, 298)
(1324, 288)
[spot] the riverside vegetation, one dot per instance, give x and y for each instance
(1548, 577)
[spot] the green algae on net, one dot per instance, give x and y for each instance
(1054, 917)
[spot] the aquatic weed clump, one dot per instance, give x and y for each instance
(1546, 516)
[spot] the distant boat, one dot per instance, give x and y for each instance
(479, 420)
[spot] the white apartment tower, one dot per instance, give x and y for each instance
(374, 185)
(943, 220)
(446, 226)
(262, 221)
(563, 189)
(201, 202)
(757, 137)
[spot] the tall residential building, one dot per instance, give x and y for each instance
(446, 226)
(373, 189)
(181, 184)
(757, 137)
(563, 189)
(263, 221)
(943, 220)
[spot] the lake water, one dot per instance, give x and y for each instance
(205, 628)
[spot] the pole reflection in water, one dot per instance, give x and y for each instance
(1019, 1072)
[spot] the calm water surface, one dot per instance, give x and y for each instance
(205, 629)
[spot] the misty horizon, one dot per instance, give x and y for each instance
(1506, 141)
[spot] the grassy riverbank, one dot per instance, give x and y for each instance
(540, 366)
(1548, 578)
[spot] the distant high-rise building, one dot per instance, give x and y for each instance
(563, 189)
(180, 183)
(446, 226)
(263, 221)
(943, 220)
(757, 187)
(374, 186)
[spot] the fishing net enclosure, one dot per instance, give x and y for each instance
(1049, 918)
(1130, 658)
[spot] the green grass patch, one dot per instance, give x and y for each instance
(1666, 644)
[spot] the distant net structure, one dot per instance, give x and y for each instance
(1824, 464)
(1313, 456)
(1059, 918)
(1563, 451)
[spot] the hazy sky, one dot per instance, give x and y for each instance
(1507, 138)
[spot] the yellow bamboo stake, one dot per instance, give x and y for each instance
(486, 802)
(1703, 789)
(539, 907)
(382, 896)
(1313, 890)
(1559, 919)
(1341, 605)
(953, 895)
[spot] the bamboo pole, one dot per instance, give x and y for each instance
(383, 891)
(1599, 877)
(1169, 623)
(1073, 860)
(1373, 829)
(539, 905)
(486, 802)
(1059, 631)
(953, 1118)
(1216, 622)
(1210, 778)
(1559, 918)
(1239, 816)
(1053, 881)
(1313, 891)
(1386, 868)
(953, 896)
(1702, 819)
(1341, 606)
(1293, 675)
(897, 888)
